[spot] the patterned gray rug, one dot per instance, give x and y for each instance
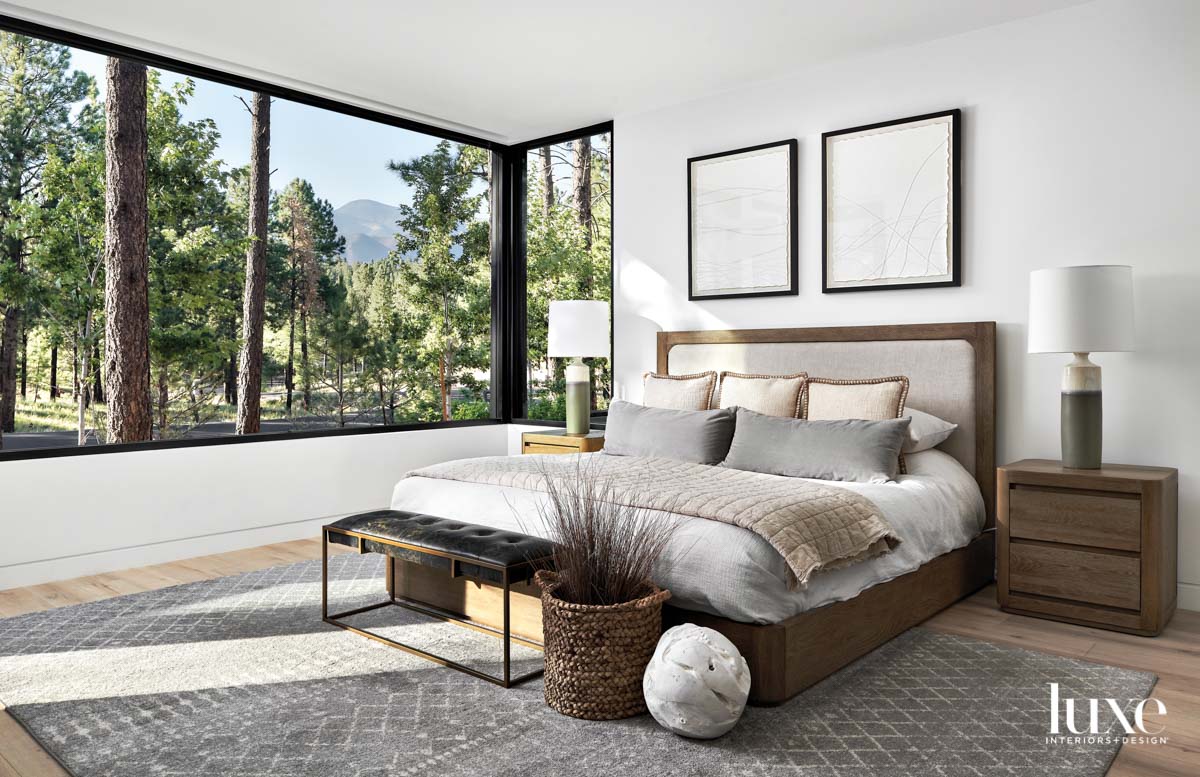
(238, 676)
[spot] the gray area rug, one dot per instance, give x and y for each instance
(238, 676)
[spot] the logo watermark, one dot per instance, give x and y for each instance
(1103, 721)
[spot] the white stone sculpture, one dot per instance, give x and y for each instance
(697, 682)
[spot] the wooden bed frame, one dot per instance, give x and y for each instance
(787, 657)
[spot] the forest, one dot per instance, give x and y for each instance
(151, 289)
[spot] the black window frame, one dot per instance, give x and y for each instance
(517, 395)
(508, 249)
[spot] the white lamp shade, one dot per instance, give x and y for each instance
(1086, 309)
(578, 328)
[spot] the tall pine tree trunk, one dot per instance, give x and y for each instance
(255, 295)
(25, 361)
(53, 372)
(547, 184)
(231, 379)
(341, 393)
(126, 294)
(8, 367)
(164, 404)
(289, 377)
(80, 391)
(582, 187)
(307, 390)
(14, 257)
(445, 364)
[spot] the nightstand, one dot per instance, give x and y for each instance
(561, 442)
(1095, 547)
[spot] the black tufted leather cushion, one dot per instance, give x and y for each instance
(465, 540)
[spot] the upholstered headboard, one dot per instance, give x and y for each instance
(951, 370)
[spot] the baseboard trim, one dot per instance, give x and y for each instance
(1189, 597)
(67, 567)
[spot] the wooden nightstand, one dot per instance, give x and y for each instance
(561, 442)
(1095, 547)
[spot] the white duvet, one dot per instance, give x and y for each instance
(728, 571)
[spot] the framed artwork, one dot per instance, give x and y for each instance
(890, 198)
(743, 224)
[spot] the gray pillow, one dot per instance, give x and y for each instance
(849, 449)
(927, 431)
(698, 436)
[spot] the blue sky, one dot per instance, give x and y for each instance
(345, 158)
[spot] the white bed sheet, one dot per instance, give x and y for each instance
(731, 572)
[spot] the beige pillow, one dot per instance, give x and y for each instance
(679, 392)
(778, 395)
(870, 399)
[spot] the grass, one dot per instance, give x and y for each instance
(44, 415)
(47, 416)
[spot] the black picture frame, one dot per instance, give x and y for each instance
(955, 116)
(793, 231)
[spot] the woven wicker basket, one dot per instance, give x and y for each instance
(596, 654)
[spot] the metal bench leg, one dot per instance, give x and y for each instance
(391, 576)
(507, 636)
(324, 575)
(506, 680)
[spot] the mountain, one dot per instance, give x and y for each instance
(369, 228)
(361, 248)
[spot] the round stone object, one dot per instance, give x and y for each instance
(697, 682)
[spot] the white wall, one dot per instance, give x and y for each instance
(1081, 146)
(88, 514)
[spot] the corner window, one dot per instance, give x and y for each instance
(568, 247)
(359, 250)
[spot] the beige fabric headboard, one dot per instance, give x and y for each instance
(951, 371)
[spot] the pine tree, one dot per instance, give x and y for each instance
(37, 90)
(448, 287)
(67, 262)
(311, 244)
(126, 297)
(254, 298)
(197, 244)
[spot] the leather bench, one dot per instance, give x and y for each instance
(482, 553)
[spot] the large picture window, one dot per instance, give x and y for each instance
(568, 248)
(357, 252)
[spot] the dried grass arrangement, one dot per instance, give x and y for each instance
(604, 549)
(601, 613)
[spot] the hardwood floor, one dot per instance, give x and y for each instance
(1174, 656)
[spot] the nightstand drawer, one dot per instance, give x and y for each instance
(1109, 579)
(1075, 517)
(533, 447)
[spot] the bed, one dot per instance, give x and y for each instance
(729, 579)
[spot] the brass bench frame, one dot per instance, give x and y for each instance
(504, 681)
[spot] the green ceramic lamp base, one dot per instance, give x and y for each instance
(1082, 420)
(579, 397)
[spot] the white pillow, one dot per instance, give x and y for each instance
(775, 395)
(926, 431)
(679, 392)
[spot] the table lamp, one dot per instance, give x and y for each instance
(1081, 310)
(578, 328)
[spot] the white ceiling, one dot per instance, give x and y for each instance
(514, 70)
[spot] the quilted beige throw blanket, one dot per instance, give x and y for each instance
(813, 526)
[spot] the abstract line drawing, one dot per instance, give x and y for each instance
(742, 222)
(890, 204)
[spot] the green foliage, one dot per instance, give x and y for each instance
(551, 406)
(472, 409)
(37, 92)
(445, 294)
(406, 338)
(565, 260)
(197, 245)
